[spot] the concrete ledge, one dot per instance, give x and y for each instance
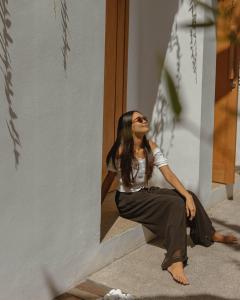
(120, 245)
(221, 192)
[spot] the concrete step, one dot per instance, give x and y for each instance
(112, 224)
(86, 290)
(213, 271)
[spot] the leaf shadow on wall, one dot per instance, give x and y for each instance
(6, 68)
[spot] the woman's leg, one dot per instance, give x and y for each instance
(201, 228)
(202, 231)
(175, 235)
(176, 242)
(163, 212)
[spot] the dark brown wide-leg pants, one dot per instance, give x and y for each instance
(163, 211)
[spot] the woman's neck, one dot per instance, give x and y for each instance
(138, 141)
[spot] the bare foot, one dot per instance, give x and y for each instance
(176, 270)
(221, 238)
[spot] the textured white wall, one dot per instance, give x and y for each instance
(181, 143)
(207, 112)
(50, 205)
(150, 25)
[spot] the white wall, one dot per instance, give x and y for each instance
(150, 25)
(207, 113)
(50, 205)
(188, 155)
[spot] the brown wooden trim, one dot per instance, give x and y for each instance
(115, 73)
(225, 111)
(109, 78)
(126, 29)
(121, 67)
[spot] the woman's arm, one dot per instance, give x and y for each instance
(169, 175)
(106, 184)
(173, 180)
(176, 183)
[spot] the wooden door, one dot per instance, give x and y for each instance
(115, 77)
(225, 114)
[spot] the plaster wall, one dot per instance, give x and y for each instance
(191, 61)
(50, 204)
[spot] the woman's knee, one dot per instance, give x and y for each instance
(177, 211)
(178, 202)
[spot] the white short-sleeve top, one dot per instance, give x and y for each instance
(138, 171)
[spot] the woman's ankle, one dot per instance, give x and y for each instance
(177, 264)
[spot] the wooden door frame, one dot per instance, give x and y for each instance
(115, 72)
(225, 113)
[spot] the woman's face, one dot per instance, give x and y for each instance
(139, 123)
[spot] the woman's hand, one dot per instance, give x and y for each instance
(190, 207)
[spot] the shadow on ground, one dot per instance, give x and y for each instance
(192, 297)
(234, 227)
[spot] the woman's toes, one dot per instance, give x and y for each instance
(229, 238)
(178, 279)
(185, 280)
(181, 279)
(234, 238)
(176, 270)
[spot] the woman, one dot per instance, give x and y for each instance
(166, 212)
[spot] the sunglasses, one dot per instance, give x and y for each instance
(141, 119)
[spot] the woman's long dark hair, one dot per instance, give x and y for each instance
(125, 138)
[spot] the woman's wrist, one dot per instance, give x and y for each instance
(187, 195)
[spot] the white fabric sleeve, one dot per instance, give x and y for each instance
(110, 166)
(159, 159)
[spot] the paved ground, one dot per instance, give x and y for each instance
(214, 272)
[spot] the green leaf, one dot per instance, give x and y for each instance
(160, 63)
(174, 98)
(208, 23)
